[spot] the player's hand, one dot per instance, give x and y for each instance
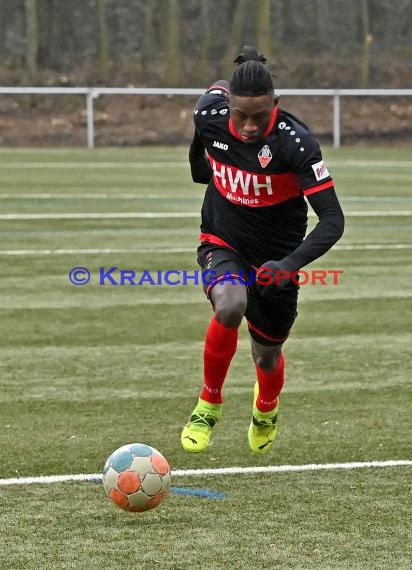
(272, 276)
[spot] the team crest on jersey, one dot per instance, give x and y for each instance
(264, 156)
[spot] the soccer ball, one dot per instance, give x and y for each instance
(136, 477)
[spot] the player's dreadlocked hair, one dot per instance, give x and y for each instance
(251, 78)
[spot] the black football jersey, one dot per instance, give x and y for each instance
(254, 202)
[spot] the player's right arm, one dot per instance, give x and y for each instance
(199, 164)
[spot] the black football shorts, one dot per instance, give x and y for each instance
(269, 320)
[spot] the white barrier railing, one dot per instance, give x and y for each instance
(92, 93)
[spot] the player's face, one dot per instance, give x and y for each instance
(251, 115)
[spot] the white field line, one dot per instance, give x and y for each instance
(79, 165)
(98, 196)
(177, 215)
(291, 468)
(24, 252)
(335, 162)
(160, 250)
(372, 246)
(217, 471)
(369, 163)
(100, 216)
(114, 195)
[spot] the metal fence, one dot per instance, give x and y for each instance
(92, 93)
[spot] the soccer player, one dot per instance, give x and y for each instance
(260, 162)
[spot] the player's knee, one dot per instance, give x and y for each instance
(231, 314)
(229, 311)
(267, 362)
(230, 303)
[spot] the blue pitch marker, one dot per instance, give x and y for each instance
(197, 493)
(204, 493)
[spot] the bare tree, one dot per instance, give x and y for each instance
(206, 37)
(322, 17)
(32, 40)
(172, 45)
(65, 36)
(147, 35)
(235, 38)
(367, 43)
(263, 26)
(103, 39)
(278, 26)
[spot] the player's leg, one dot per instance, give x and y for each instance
(229, 303)
(269, 363)
(229, 300)
(269, 321)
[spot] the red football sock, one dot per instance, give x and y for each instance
(270, 386)
(220, 347)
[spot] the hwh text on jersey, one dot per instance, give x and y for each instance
(265, 189)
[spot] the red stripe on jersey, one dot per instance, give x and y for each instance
(264, 335)
(268, 129)
(210, 238)
(254, 190)
(234, 131)
(318, 188)
(272, 122)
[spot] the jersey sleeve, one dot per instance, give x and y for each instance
(327, 232)
(304, 158)
(211, 103)
(199, 165)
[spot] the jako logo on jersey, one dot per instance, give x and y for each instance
(320, 170)
(220, 145)
(264, 156)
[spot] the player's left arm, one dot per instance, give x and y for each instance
(305, 161)
(327, 232)
(318, 187)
